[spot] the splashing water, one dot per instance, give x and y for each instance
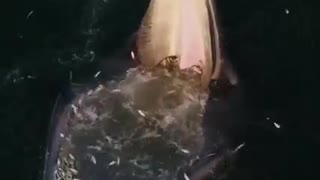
(146, 126)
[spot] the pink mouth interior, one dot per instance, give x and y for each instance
(192, 45)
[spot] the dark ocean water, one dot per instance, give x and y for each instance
(47, 46)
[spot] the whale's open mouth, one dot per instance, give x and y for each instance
(142, 127)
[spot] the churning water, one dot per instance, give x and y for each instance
(146, 126)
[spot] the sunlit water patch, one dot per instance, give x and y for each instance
(146, 126)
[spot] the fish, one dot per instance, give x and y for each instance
(184, 33)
